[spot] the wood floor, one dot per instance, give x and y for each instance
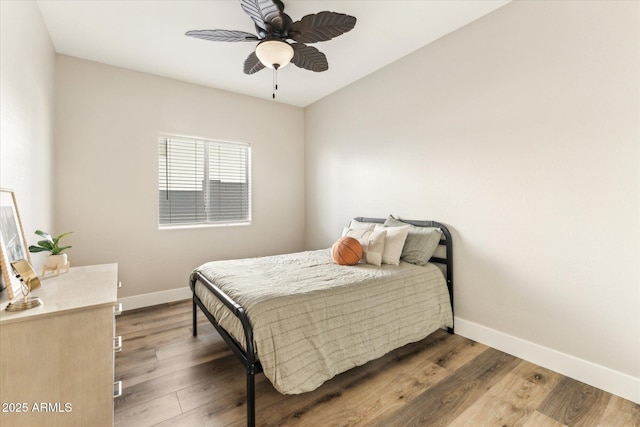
(173, 379)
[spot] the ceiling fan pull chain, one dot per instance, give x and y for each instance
(275, 80)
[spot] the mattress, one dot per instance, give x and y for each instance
(313, 319)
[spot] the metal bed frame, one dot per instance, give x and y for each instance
(248, 357)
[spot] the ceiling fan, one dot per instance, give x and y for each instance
(280, 39)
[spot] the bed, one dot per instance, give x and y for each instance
(301, 318)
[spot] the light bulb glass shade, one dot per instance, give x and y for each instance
(274, 52)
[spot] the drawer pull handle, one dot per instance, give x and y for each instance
(119, 284)
(117, 389)
(117, 344)
(117, 309)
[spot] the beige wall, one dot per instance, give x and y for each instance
(107, 127)
(27, 63)
(521, 132)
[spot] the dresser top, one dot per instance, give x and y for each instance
(79, 289)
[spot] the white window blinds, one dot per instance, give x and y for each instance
(203, 182)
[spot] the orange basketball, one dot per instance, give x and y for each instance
(346, 251)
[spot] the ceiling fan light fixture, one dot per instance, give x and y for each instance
(274, 53)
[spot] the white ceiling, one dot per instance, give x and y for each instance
(148, 36)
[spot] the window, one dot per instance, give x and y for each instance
(203, 182)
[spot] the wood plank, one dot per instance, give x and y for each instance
(224, 403)
(208, 337)
(149, 413)
(179, 379)
(575, 404)
(159, 310)
(512, 400)
(125, 326)
(203, 416)
(538, 419)
(621, 412)
(441, 404)
(128, 359)
(135, 319)
(146, 372)
(165, 328)
(171, 314)
(157, 339)
(449, 348)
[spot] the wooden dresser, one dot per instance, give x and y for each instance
(57, 360)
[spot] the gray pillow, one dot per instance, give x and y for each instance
(421, 242)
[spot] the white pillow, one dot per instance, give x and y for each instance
(372, 242)
(357, 225)
(394, 243)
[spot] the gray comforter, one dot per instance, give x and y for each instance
(313, 319)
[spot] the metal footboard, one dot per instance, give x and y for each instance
(248, 357)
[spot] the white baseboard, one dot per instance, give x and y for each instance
(155, 298)
(614, 382)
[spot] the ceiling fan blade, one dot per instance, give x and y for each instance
(252, 64)
(321, 27)
(267, 14)
(309, 58)
(223, 35)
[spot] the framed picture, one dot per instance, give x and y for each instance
(12, 242)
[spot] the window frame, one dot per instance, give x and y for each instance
(208, 144)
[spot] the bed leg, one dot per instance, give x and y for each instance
(251, 397)
(195, 318)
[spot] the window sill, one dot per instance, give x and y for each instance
(210, 225)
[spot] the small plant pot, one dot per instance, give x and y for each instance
(55, 261)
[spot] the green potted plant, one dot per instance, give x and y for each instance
(57, 258)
